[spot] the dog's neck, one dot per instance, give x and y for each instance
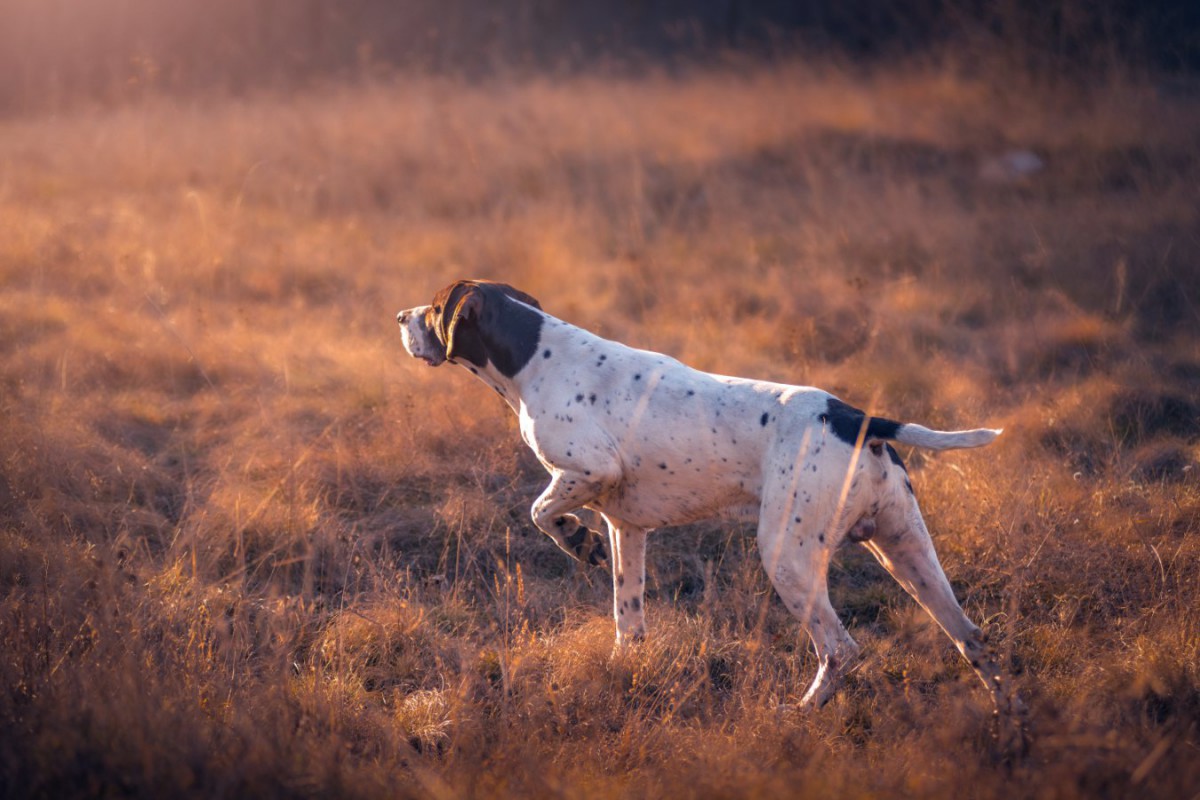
(557, 342)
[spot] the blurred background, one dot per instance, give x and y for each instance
(55, 51)
(249, 548)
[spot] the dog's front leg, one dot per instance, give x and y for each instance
(628, 547)
(569, 491)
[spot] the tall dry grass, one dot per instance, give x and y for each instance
(248, 548)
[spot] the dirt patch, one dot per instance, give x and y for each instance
(1164, 461)
(148, 436)
(1139, 415)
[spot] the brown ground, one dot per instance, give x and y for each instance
(248, 548)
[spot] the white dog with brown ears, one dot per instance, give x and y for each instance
(646, 441)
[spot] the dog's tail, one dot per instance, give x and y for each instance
(854, 427)
(920, 436)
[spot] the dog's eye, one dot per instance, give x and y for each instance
(437, 309)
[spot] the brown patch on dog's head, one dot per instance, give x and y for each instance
(475, 321)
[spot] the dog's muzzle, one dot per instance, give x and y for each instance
(414, 337)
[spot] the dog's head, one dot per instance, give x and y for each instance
(480, 322)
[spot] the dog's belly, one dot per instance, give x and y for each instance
(657, 496)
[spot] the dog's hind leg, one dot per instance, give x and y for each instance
(903, 546)
(795, 549)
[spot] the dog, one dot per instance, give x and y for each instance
(645, 441)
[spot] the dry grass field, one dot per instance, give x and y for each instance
(248, 548)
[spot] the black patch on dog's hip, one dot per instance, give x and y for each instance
(846, 422)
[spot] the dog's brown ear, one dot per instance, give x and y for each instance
(478, 322)
(464, 310)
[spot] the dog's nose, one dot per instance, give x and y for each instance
(402, 317)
